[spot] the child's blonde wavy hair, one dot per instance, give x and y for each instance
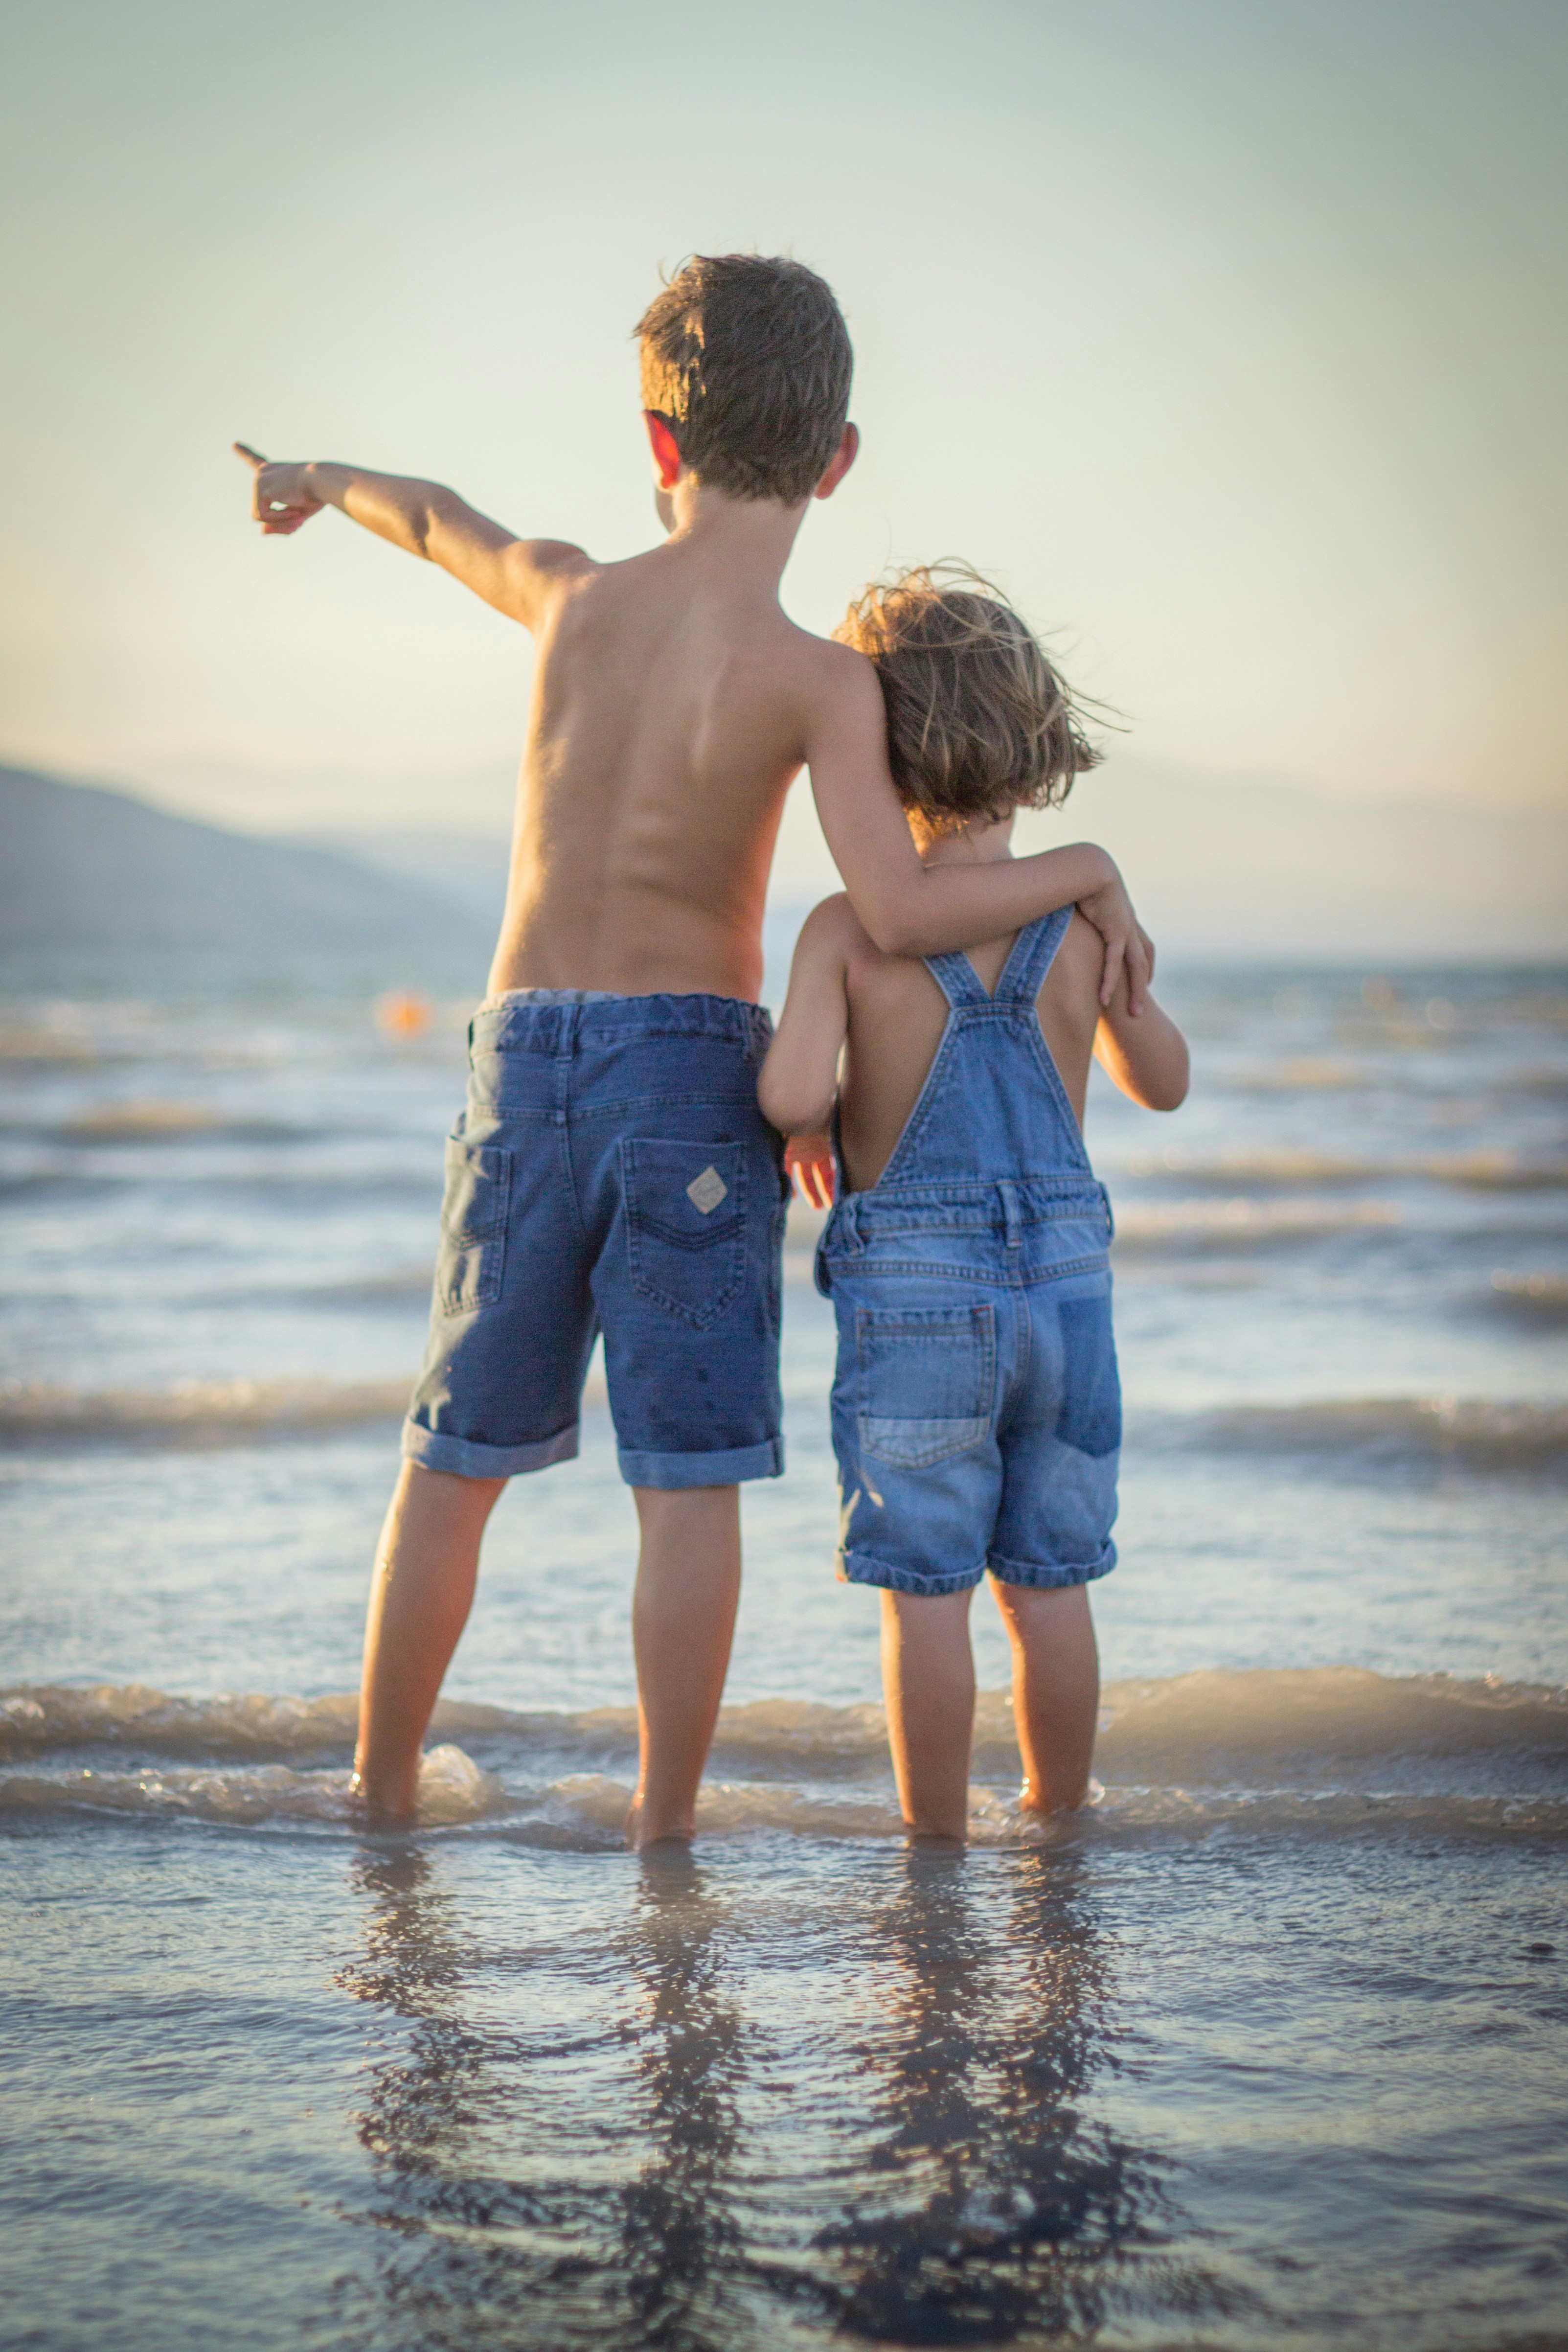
(978, 723)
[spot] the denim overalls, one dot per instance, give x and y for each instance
(977, 1410)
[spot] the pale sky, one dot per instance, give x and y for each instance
(1229, 336)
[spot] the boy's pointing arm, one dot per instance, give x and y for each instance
(423, 519)
(913, 909)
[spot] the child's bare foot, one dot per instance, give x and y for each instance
(643, 1840)
(1042, 1811)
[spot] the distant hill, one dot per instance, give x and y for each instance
(85, 868)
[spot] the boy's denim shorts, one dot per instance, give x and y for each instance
(611, 1173)
(977, 1408)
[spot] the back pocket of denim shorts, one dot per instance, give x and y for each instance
(1091, 1414)
(685, 1224)
(927, 1381)
(473, 1225)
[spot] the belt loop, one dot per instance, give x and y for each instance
(568, 1016)
(1010, 1210)
(1110, 1215)
(853, 1222)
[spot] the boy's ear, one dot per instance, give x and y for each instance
(842, 459)
(667, 460)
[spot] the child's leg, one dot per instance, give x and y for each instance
(682, 1620)
(421, 1593)
(1056, 1690)
(928, 1685)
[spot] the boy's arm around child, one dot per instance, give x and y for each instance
(906, 907)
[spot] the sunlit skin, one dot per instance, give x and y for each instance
(862, 1026)
(673, 703)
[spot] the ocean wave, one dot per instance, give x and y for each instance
(1245, 1223)
(1536, 1298)
(1485, 1433)
(198, 1412)
(158, 1122)
(1477, 1170)
(1228, 1724)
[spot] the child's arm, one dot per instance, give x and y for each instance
(1147, 1057)
(800, 1075)
(912, 909)
(421, 518)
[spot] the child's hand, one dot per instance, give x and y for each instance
(1128, 943)
(280, 501)
(809, 1158)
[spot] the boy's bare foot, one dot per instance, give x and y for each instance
(375, 1814)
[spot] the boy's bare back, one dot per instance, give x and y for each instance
(672, 706)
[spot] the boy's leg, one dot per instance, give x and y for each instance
(1056, 1690)
(928, 1686)
(683, 1621)
(421, 1593)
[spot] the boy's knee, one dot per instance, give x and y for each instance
(690, 1504)
(444, 1494)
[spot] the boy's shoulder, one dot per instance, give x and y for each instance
(835, 681)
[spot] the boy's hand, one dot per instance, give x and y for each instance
(1128, 943)
(280, 500)
(809, 1158)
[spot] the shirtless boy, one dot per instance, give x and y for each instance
(612, 1171)
(977, 1415)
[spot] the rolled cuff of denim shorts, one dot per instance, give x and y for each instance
(864, 1568)
(1045, 1578)
(463, 1458)
(674, 1471)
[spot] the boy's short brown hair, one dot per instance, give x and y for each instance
(748, 359)
(978, 721)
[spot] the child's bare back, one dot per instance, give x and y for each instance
(897, 1016)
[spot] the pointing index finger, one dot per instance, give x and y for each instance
(252, 457)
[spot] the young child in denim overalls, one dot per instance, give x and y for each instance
(976, 1413)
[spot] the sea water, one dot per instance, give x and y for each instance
(1267, 2047)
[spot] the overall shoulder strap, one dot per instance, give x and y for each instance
(1033, 952)
(956, 977)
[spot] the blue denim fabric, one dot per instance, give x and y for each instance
(976, 1409)
(611, 1171)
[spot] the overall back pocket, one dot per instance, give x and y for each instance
(927, 1383)
(685, 1224)
(473, 1225)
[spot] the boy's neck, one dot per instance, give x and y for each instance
(753, 535)
(974, 845)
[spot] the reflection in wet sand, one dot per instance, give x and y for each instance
(621, 2161)
(992, 2209)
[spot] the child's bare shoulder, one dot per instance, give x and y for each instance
(834, 933)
